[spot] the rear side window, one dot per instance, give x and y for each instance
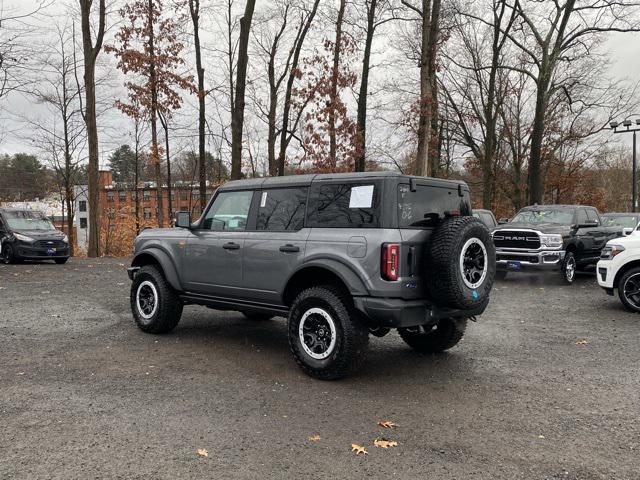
(582, 216)
(282, 209)
(428, 204)
(593, 216)
(344, 205)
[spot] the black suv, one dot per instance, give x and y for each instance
(342, 255)
(29, 235)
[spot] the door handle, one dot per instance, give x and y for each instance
(288, 248)
(231, 246)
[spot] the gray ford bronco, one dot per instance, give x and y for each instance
(340, 255)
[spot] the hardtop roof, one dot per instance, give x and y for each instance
(308, 179)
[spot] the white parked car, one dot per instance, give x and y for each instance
(619, 269)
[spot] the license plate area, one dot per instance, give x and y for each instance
(51, 251)
(514, 266)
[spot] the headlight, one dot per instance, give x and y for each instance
(23, 238)
(611, 251)
(65, 239)
(554, 240)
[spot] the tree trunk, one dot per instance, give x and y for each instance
(537, 135)
(194, 7)
(155, 153)
(286, 109)
(424, 119)
(364, 88)
(165, 126)
(237, 118)
(271, 115)
(137, 176)
(90, 52)
(333, 95)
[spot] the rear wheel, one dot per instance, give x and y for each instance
(434, 338)
(629, 290)
(156, 306)
(326, 337)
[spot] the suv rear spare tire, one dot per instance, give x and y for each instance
(326, 337)
(461, 263)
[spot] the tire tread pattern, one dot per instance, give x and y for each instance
(355, 338)
(170, 308)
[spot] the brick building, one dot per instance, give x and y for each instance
(120, 199)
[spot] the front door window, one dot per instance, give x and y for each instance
(229, 212)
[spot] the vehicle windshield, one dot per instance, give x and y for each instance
(551, 215)
(621, 221)
(28, 220)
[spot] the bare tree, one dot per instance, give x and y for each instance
(476, 85)
(288, 127)
(556, 35)
(194, 11)
(237, 116)
(61, 136)
(377, 14)
(91, 51)
(429, 14)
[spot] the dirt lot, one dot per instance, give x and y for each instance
(85, 394)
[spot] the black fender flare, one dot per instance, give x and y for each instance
(348, 276)
(157, 255)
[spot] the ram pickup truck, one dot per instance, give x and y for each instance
(557, 237)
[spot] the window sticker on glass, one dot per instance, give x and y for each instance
(263, 200)
(361, 196)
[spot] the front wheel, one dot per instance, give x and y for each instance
(629, 290)
(434, 338)
(156, 306)
(8, 256)
(569, 266)
(326, 337)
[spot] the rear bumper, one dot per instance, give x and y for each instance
(399, 313)
(535, 259)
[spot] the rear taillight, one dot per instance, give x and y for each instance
(390, 261)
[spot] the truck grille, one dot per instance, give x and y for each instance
(516, 239)
(50, 244)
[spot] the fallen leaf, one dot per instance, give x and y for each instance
(314, 438)
(387, 424)
(584, 341)
(202, 452)
(384, 443)
(358, 449)
(541, 437)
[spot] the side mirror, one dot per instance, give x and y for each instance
(502, 221)
(627, 231)
(183, 220)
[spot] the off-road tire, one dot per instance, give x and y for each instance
(443, 336)
(565, 268)
(8, 257)
(169, 306)
(257, 317)
(621, 285)
(445, 281)
(352, 336)
(61, 261)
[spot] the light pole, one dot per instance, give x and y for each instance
(625, 127)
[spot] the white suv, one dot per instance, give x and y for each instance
(619, 268)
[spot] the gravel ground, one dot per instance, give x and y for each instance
(85, 394)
